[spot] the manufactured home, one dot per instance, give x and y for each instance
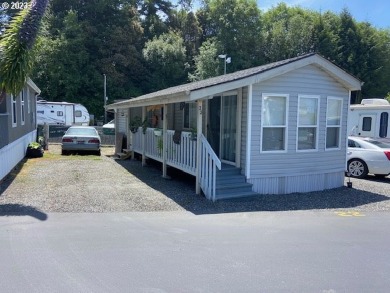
(274, 129)
(17, 126)
(61, 113)
(370, 118)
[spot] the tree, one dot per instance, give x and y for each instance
(206, 63)
(236, 26)
(17, 48)
(166, 56)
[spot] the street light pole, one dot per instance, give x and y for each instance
(105, 98)
(225, 61)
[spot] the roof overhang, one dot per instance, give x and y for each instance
(185, 93)
(33, 86)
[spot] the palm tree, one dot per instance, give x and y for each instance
(17, 48)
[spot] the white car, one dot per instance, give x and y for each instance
(109, 128)
(366, 155)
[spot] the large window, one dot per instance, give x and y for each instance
(333, 123)
(274, 122)
(307, 123)
(189, 119)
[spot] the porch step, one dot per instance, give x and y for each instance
(230, 183)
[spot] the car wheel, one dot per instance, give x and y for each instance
(98, 153)
(357, 168)
(64, 153)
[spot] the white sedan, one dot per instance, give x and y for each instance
(366, 155)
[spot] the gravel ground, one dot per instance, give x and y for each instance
(84, 183)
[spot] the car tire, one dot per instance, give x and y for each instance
(357, 168)
(64, 153)
(98, 153)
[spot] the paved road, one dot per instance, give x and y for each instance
(182, 252)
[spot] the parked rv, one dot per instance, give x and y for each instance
(61, 113)
(370, 118)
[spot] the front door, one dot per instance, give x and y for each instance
(222, 127)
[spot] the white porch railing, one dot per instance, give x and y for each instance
(181, 156)
(208, 169)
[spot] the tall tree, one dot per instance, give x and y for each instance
(166, 57)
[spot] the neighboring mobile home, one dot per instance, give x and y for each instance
(278, 128)
(18, 126)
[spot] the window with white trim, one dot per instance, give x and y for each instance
(333, 122)
(308, 107)
(14, 116)
(274, 122)
(189, 116)
(22, 108)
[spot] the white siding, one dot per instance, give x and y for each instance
(13, 153)
(298, 171)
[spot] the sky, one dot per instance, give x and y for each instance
(375, 12)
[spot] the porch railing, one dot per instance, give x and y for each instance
(181, 156)
(208, 169)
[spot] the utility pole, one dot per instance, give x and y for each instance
(105, 98)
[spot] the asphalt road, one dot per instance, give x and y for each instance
(181, 252)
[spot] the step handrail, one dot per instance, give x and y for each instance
(208, 169)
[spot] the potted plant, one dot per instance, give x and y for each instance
(160, 145)
(194, 133)
(34, 150)
(135, 124)
(157, 131)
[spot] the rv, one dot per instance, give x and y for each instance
(370, 118)
(61, 113)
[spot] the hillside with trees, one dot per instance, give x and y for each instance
(144, 45)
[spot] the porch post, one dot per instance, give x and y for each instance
(143, 138)
(198, 145)
(164, 150)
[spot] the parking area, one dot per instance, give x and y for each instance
(88, 183)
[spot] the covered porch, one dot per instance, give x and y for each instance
(201, 138)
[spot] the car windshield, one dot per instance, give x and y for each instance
(379, 144)
(81, 131)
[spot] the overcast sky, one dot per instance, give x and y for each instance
(375, 12)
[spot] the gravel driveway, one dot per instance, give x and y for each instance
(83, 183)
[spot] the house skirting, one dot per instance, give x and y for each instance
(13, 153)
(297, 183)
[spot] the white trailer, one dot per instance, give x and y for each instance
(371, 118)
(61, 113)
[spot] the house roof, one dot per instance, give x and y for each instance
(205, 88)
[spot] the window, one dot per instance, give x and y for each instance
(28, 101)
(383, 124)
(307, 122)
(60, 113)
(333, 123)
(189, 119)
(22, 108)
(274, 122)
(367, 121)
(14, 117)
(77, 113)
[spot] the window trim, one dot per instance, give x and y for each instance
(316, 126)
(285, 127)
(14, 115)
(333, 126)
(22, 107)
